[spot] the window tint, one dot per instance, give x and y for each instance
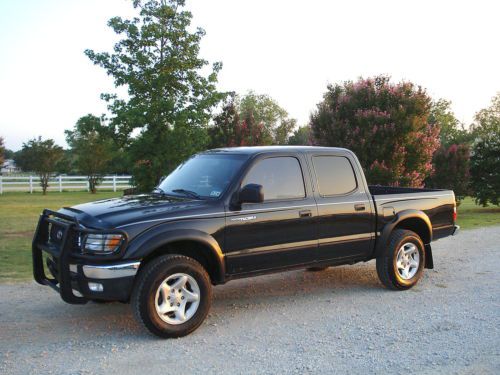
(281, 178)
(335, 175)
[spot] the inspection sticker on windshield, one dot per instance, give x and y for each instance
(215, 193)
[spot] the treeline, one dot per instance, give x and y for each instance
(173, 109)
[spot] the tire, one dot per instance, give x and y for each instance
(149, 302)
(396, 270)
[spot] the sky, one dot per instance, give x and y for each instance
(290, 50)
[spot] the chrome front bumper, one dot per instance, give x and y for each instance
(110, 271)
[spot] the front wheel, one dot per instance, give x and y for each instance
(172, 296)
(401, 264)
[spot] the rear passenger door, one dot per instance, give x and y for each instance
(280, 231)
(345, 218)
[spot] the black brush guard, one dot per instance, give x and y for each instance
(65, 253)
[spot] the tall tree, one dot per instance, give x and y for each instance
(485, 160)
(169, 100)
(91, 143)
(385, 124)
(40, 157)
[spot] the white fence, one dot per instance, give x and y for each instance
(60, 183)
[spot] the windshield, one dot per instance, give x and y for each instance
(202, 176)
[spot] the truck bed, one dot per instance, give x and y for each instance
(438, 205)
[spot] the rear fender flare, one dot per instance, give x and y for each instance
(383, 240)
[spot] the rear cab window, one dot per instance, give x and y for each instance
(281, 178)
(335, 175)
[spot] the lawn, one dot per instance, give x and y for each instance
(18, 217)
(19, 214)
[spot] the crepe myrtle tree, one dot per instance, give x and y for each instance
(384, 123)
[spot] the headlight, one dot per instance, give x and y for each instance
(102, 243)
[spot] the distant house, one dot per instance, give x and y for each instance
(9, 166)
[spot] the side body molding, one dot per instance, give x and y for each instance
(149, 241)
(383, 240)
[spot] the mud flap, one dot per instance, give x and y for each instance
(429, 262)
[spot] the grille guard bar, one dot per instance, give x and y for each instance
(65, 253)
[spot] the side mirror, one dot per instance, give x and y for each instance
(251, 193)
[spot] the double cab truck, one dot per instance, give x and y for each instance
(231, 213)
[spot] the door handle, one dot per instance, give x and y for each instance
(305, 213)
(359, 207)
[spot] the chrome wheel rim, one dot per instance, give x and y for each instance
(177, 298)
(407, 260)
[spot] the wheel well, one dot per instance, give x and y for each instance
(418, 226)
(192, 249)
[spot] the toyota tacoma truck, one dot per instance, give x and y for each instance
(231, 213)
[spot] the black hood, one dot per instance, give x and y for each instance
(111, 213)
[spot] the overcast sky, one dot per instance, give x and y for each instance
(288, 49)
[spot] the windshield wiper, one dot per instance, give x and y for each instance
(188, 193)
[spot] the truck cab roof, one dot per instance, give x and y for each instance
(250, 150)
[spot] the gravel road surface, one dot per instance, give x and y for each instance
(336, 321)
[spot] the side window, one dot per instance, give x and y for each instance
(280, 177)
(335, 175)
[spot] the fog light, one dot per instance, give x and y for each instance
(96, 287)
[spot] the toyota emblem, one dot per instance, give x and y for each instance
(59, 234)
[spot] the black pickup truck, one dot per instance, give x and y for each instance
(231, 213)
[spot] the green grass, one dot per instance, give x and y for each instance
(471, 216)
(19, 214)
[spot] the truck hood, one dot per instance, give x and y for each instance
(111, 213)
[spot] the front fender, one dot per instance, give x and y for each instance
(149, 241)
(383, 239)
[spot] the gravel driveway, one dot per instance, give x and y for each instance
(337, 321)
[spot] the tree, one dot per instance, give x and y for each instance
(251, 120)
(385, 124)
(301, 136)
(222, 132)
(451, 170)
(485, 159)
(92, 147)
(40, 157)
(169, 100)
(267, 112)
(2, 151)
(451, 130)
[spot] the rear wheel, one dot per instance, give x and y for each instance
(401, 264)
(172, 296)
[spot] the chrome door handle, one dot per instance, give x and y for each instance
(359, 207)
(305, 213)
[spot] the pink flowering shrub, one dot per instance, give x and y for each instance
(385, 124)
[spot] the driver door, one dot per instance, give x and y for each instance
(279, 232)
